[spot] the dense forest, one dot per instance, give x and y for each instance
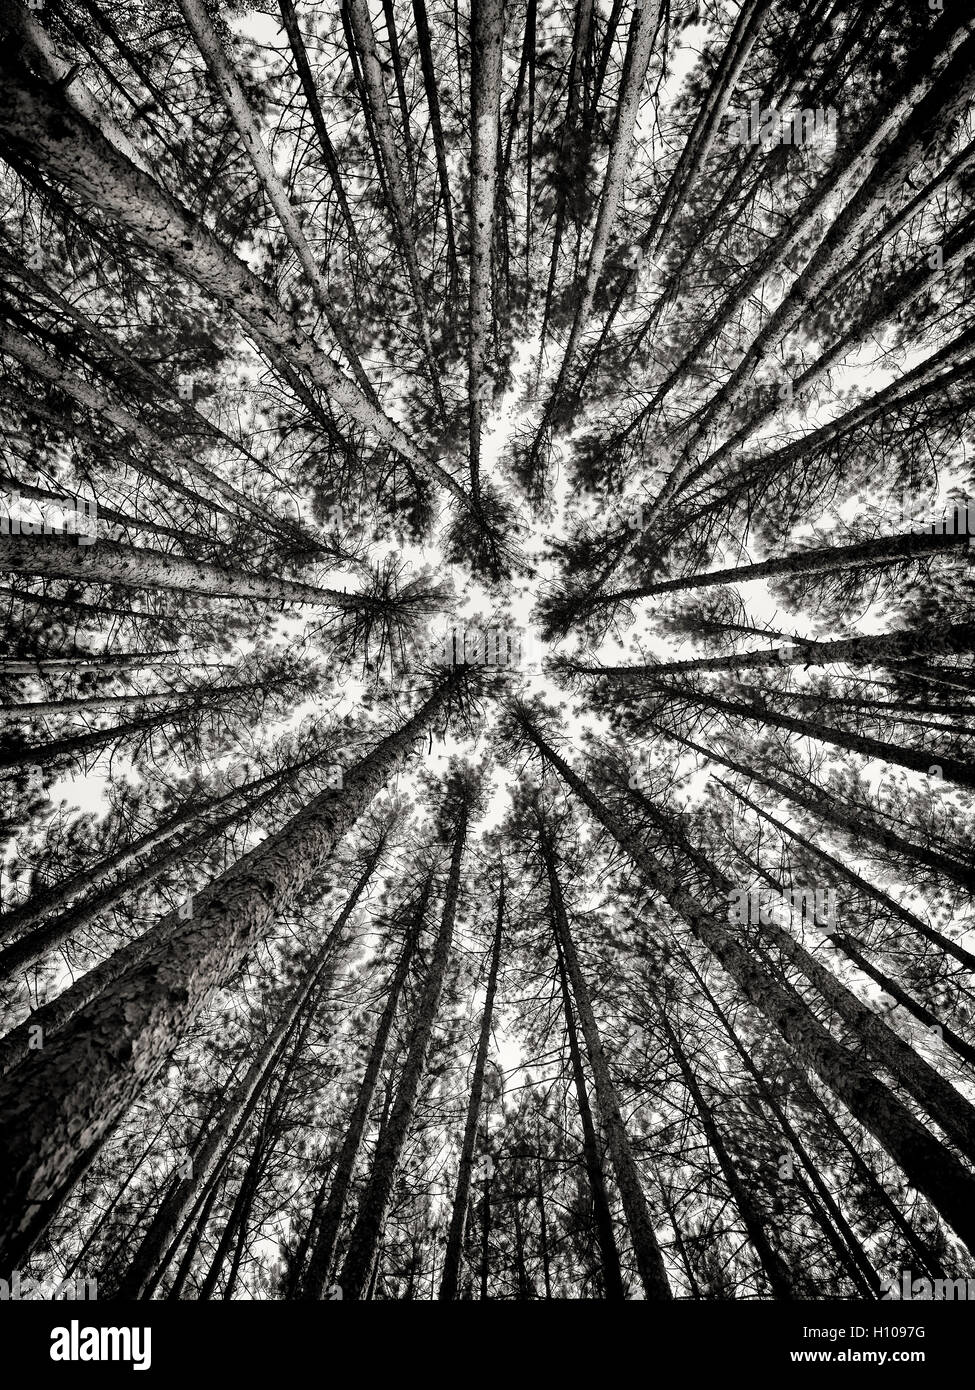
(487, 650)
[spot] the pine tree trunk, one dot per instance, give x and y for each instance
(132, 567)
(608, 1251)
(883, 550)
(315, 1277)
(853, 952)
(864, 888)
(364, 1240)
(776, 1270)
(487, 23)
(455, 1236)
(142, 1274)
(645, 1248)
(59, 1108)
(927, 1163)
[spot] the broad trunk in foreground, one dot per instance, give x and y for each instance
(142, 1274)
(59, 1105)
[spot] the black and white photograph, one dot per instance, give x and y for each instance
(487, 679)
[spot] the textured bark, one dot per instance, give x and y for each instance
(315, 1277)
(135, 567)
(26, 31)
(142, 1273)
(364, 1240)
(649, 1260)
(227, 83)
(36, 118)
(926, 1162)
(60, 1106)
(486, 39)
(881, 551)
(608, 1251)
(458, 1216)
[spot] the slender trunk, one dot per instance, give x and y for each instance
(398, 199)
(776, 1270)
(543, 1228)
(487, 22)
(643, 29)
(608, 1251)
(436, 130)
(854, 952)
(881, 551)
(864, 888)
(375, 1200)
(315, 1277)
(930, 763)
(60, 895)
(314, 105)
(455, 1236)
(645, 1248)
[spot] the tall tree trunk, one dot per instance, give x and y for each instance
(142, 1274)
(928, 1164)
(132, 567)
(60, 1108)
(776, 1270)
(455, 1235)
(879, 551)
(313, 1281)
(645, 1248)
(375, 1199)
(487, 24)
